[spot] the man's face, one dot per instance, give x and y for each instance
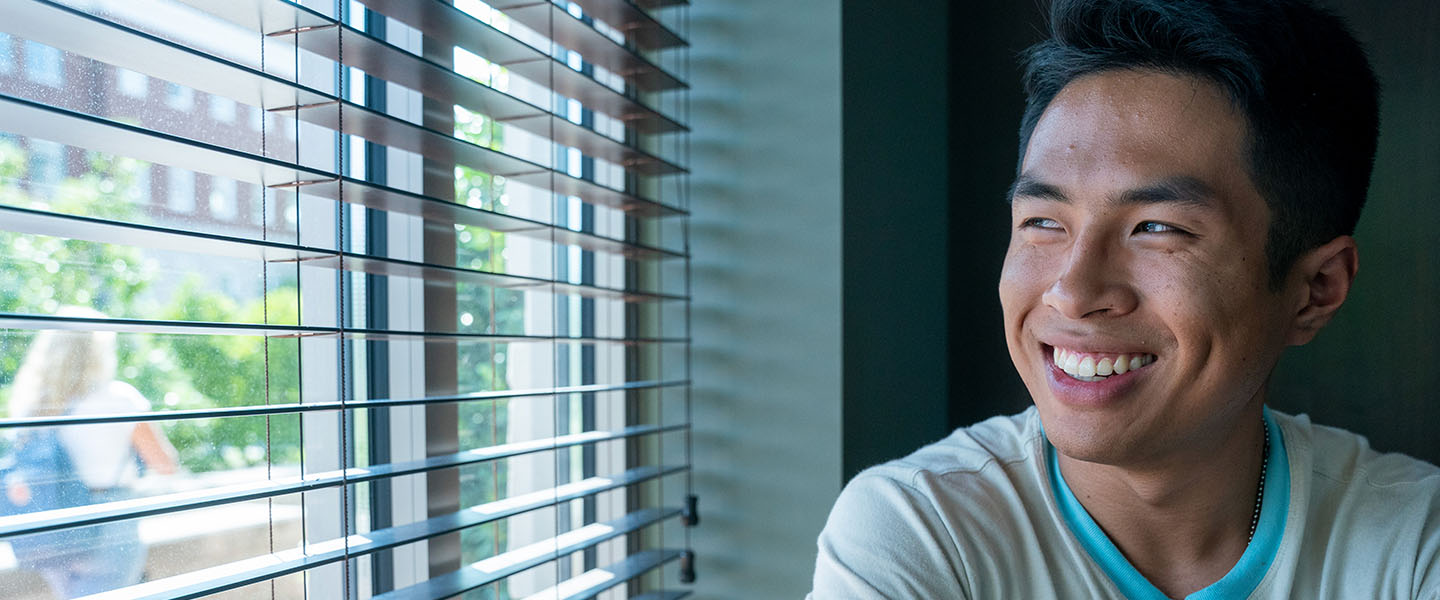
(1137, 259)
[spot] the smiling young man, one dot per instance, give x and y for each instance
(1191, 175)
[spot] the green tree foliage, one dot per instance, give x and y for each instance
(224, 371)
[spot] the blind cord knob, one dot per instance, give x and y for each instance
(687, 566)
(690, 516)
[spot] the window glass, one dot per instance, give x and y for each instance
(47, 163)
(257, 118)
(181, 190)
(44, 64)
(223, 199)
(139, 191)
(7, 55)
(222, 109)
(179, 97)
(131, 83)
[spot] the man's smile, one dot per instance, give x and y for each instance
(1086, 375)
(1098, 366)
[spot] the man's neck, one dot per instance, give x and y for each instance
(1183, 520)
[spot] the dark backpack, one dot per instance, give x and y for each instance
(42, 463)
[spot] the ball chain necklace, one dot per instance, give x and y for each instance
(1260, 493)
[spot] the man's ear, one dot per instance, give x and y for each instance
(1325, 275)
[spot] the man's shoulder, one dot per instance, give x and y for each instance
(968, 451)
(1368, 511)
(1342, 459)
(969, 508)
(963, 473)
(1351, 482)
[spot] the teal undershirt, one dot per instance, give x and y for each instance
(1242, 578)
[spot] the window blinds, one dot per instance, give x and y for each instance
(344, 299)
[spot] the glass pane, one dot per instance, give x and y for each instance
(68, 466)
(42, 274)
(169, 372)
(41, 175)
(109, 556)
(84, 85)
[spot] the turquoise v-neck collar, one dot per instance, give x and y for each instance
(1242, 579)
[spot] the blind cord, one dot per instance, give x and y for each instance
(556, 399)
(300, 360)
(340, 211)
(265, 318)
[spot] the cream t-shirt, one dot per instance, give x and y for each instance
(975, 516)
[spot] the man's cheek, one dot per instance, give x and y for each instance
(1024, 271)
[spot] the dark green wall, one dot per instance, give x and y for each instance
(1375, 370)
(896, 221)
(988, 99)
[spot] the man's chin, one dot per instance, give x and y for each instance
(1085, 436)
(1090, 450)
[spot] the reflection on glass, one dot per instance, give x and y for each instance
(44, 64)
(222, 109)
(119, 95)
(7, 55)
(131, 83)
(179, 97)
(181, 190)
(42, 175)
(73, 373)
(47, 162)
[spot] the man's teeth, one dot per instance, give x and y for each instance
(1096, 367)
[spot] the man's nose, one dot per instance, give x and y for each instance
(1091, 282)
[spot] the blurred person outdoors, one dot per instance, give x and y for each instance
(72, 373)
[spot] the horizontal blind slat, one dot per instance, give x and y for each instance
(241, 573)
(36, 222)
(351, 119)
(654, 4)
(490, 570)
(385, 61)
(43, 322)
(664, 595)
(285, 409)
(129, 48)
(597, 48)
(32, 119)
(76, 227)
(69, 29)
(448, 25)
(591, 583)
(72, 30)
(440, 210)
(639, 26)
(69, 518)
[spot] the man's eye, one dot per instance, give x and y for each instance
(1040, 223)
(1156, 227)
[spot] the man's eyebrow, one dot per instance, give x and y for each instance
(1181, 189)
(1029, 187)
(1171, 190)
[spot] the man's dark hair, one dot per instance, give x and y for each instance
(1298, 75)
